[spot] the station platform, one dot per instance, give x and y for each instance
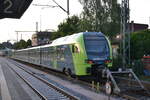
(12, 87)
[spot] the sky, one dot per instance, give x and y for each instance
(49, 18)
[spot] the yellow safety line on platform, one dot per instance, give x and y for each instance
(4, 88)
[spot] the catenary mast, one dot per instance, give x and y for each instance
(125, 33)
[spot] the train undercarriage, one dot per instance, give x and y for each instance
(117, 81)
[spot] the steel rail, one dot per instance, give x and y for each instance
(35, 90)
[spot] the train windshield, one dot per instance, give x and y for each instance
(96, 47)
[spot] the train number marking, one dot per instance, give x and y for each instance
(7, 9)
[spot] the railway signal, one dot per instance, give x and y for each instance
(13, 8)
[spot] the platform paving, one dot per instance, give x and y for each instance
(11, 86)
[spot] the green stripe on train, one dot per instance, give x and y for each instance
(110, 51)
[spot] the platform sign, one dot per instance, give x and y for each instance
(13, 8)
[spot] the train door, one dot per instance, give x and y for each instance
(76, 56)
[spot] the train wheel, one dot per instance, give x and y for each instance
(108, 88)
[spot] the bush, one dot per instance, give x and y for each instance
(140, 44)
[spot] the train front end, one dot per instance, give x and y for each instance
(98, 51)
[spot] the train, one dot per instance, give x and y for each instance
(84, 54)
(5, 52)
(80, 54)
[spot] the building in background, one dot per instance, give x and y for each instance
(137, 26)
(41, 38)
(134, 27)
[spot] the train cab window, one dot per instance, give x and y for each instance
(75, 49)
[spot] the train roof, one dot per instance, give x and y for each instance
(70, 39)
(28, 48)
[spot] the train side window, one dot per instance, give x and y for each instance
(75, 49)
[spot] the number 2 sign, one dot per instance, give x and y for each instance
(13, 8)
(8, 4)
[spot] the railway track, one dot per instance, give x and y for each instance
(129, 95)
(43, 88)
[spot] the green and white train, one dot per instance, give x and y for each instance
(80, 54)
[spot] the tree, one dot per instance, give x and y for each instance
(2, 46)
(85, 24)
(103, 15)
(69, 26)
(7, 45)
(140, 44)
(29, 43)
(22, 44)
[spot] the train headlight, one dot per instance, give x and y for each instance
(107, 61)
(90, 61)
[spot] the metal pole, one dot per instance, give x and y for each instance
(17, 36)
(36, 26)
(68, 11)
(129, 32)
(149, 21)
(125, 31)
(21, 36)
(40, 22)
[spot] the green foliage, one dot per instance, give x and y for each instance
(22, 44)
(140, 44)
(103, 15)
(1, 46)
(85, 25)
(29, 43)
(68, 27)
(137, 67)
(98, 15)
(117, 62)
(5, 45)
